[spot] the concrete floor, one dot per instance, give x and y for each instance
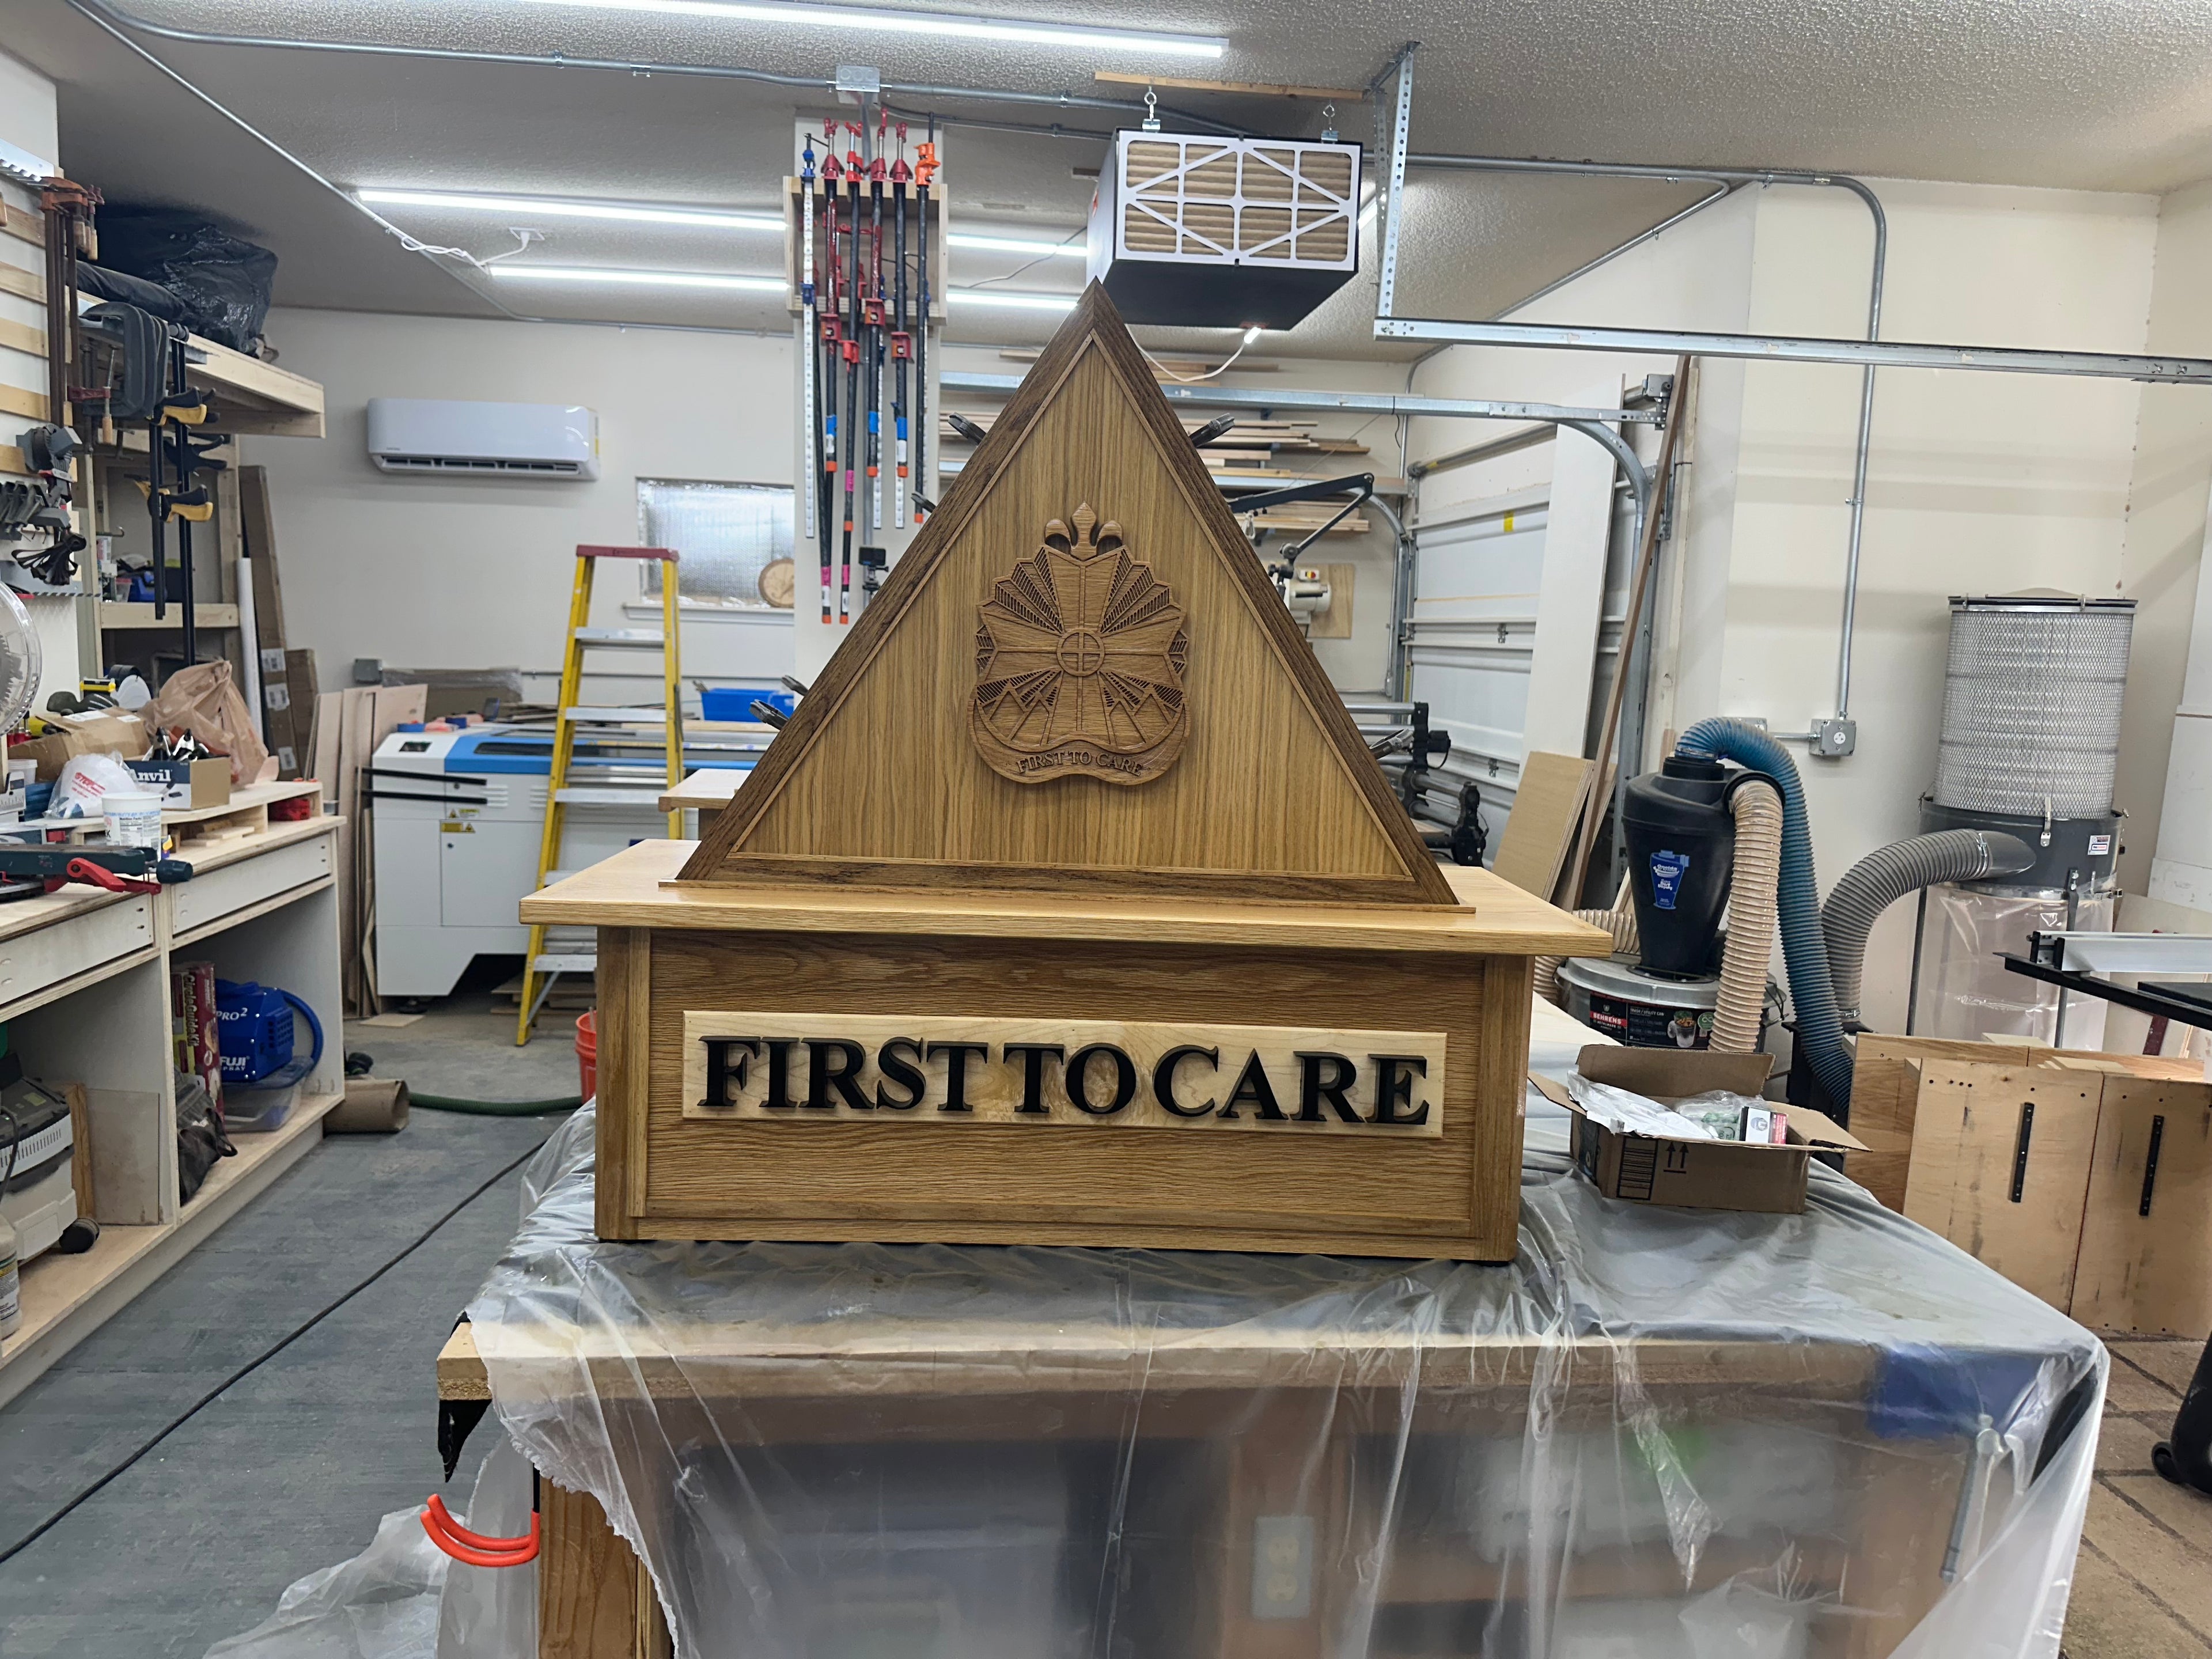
(290, 1470)
(2143, 1589)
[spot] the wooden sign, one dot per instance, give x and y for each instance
(1080, 655)
(1070, 908)
(1293, 1081)
(1078, 678)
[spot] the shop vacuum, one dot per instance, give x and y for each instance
(1701, 848)
(1681, 837)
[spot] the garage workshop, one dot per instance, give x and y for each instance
(883, 831)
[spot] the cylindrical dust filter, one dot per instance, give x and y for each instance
(2031, 705)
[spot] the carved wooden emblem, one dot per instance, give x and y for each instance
(1080, 655)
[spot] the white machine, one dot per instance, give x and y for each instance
(458, 816)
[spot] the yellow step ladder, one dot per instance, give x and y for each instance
(540, 964)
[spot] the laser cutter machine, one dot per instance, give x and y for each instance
(459, 815)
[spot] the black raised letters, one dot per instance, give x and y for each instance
(902, 1070)
(1314, 1087)
(1163, 1079)
(720, 1073)
(778, 1098)
(1394, 1087)
(1078, 1079)
(1033, 1058)
(1253, 1086)
(845, 1078)
(957, 1054)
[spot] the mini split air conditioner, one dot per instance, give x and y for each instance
(514, 440)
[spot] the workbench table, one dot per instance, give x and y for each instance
(1831, 1431)
(85, 999)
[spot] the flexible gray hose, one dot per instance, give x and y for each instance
(1887, 874)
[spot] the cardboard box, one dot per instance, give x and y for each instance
(1693, 1175)
(288, 695)
(185, 784)
(100, 732)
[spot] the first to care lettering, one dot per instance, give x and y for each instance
(955, 1071)
(1081, 757)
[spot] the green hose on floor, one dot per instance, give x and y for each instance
(495, 1108)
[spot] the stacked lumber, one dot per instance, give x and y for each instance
(1255, 441)
(349, 725)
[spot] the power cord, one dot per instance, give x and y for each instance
(254, 1364)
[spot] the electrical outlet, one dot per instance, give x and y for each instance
(1282, 1566)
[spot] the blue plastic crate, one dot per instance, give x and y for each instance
(735, 702)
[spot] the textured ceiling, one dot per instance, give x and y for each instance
(2069, 93)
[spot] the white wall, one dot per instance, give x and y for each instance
(442, 573)
(28, 121)
(1980, 483)
(2166, 528)
(472, 573)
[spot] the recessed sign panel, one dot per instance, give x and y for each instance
(1287, 1080)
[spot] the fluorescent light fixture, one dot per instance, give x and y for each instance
(990, 296)
(636, 279)
(1013, 245)
(553, 208)
(952, 25)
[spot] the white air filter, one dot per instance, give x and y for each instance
(2031, 705)
(1276, 220)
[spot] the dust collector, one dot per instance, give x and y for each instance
(1706, 839)
(2033, 687)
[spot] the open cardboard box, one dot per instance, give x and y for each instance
(1693, 1175)
(185, 786)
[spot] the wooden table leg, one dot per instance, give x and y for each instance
(595, 1600)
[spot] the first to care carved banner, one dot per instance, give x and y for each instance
(957, 1070)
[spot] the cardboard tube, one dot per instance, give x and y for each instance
(371, 1106)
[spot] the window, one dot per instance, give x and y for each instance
(727, 534)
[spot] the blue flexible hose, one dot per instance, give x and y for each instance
(1804, 948)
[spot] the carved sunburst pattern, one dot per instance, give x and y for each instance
(1080, 644)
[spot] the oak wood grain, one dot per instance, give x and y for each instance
(634, 889)
(594, 1600)
(1453, 1196)
(878, 765)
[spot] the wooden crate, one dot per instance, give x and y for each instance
(2077, 1178)
(1070, 908)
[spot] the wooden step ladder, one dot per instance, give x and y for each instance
(541, 965)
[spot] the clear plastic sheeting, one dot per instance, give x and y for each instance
(403, 1598)
(1664, 1433)
(1967, 993)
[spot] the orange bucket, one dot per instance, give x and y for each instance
(587, 1052)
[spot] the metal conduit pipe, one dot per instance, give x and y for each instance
(552, 60)
(1735, 177)
(1753, 891)
(1887, 874)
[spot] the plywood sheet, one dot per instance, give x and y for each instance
(2001, 1167)
(1546, 806)
(2146, 1259)
(1884, 1094)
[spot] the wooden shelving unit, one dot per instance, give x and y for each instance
(84, 997)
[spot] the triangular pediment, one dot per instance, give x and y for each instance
(1078, 678)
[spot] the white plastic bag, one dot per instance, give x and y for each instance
(78, 790)
(1627, 1113)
